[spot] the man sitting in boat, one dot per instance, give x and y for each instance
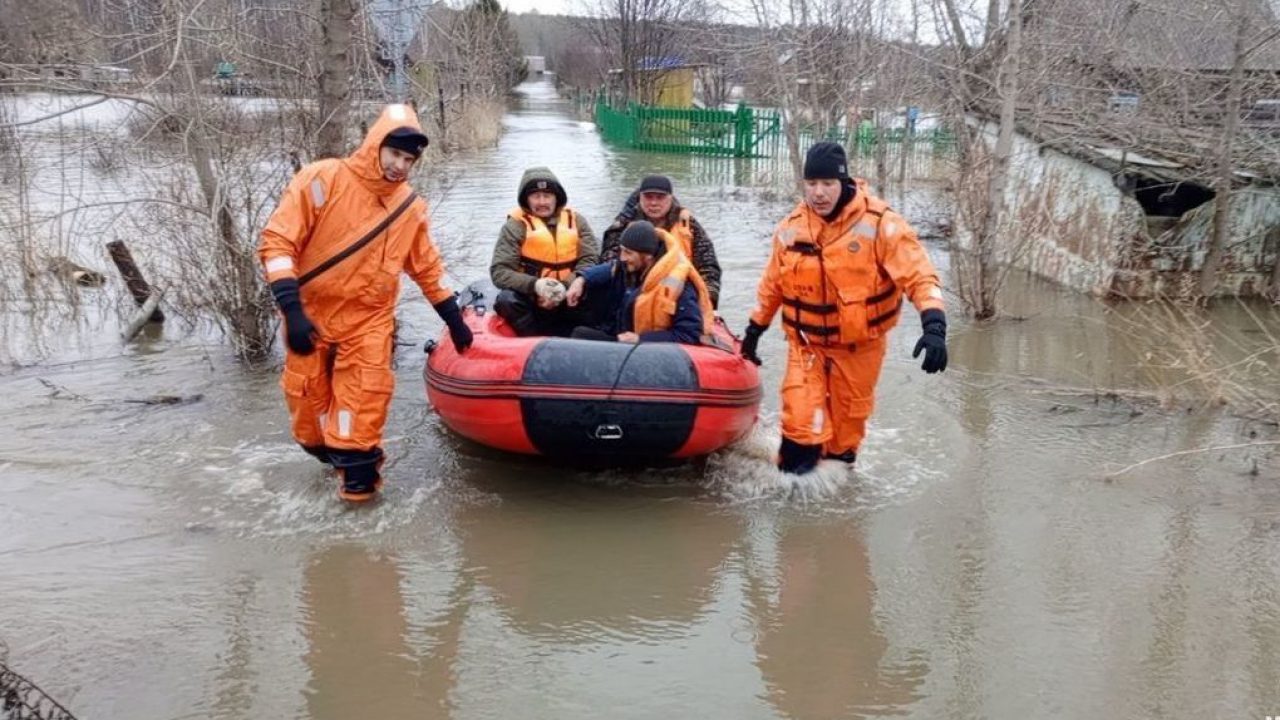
(651, 292)
(656, 202)
(539, 248)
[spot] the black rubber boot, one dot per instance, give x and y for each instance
(359, 468)
(319, 452)
(848, 456)
(798, 459)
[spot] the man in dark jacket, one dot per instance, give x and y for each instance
(539, 247)
(655, 201)
(648, 294)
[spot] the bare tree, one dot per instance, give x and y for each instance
(164, 151)
(641, 38)
(335, 77)
(481, 36)
(980, 78)
(1247, 39)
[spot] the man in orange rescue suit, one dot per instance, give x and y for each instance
(333, 251)
(539, 248)
(842, 262)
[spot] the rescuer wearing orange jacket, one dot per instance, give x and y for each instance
(841, 264)
(541, 245)
(333, 250)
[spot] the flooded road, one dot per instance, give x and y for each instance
(187, 561)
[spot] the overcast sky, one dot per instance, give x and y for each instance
(738, 11)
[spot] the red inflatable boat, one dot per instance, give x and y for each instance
(585, 401)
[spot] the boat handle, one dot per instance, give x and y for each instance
(608, 432)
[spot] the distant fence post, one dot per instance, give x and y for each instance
(744, 132)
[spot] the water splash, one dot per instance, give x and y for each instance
(268, 489)
(747, 472)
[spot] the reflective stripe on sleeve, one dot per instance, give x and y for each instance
(279, 264)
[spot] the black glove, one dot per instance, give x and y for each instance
(451, 314)
(933, 342)
(750, 339)
(298, 328)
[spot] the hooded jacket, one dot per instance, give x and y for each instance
(506, 269)
(331, 204)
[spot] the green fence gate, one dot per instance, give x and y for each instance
(752, 133)
(739, 133)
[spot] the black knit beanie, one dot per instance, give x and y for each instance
(826, 161)
(407, 139)
(641, 237)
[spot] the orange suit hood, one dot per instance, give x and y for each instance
(366, 162)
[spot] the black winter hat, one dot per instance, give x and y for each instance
(407, 139)
(826, 161)
(641, 237)
(656, 183)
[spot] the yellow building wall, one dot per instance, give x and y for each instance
(674, 89)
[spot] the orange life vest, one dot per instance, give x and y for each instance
(655, 306)
(547, 255)
(835, 292)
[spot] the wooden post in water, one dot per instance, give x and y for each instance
(440, 101)
(138, 286)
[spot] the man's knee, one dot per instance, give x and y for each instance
(510, 302)
(518, 310)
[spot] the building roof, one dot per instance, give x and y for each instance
(1196, 35)
(1181, 156)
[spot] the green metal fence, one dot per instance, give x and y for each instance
(892, 152)
(753, 133)
(744, 132)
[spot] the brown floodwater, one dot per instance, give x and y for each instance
(187, 561)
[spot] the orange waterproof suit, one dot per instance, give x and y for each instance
(840, 285)
(338, 395)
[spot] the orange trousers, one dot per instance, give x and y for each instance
(828, 394)
(339, 394)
